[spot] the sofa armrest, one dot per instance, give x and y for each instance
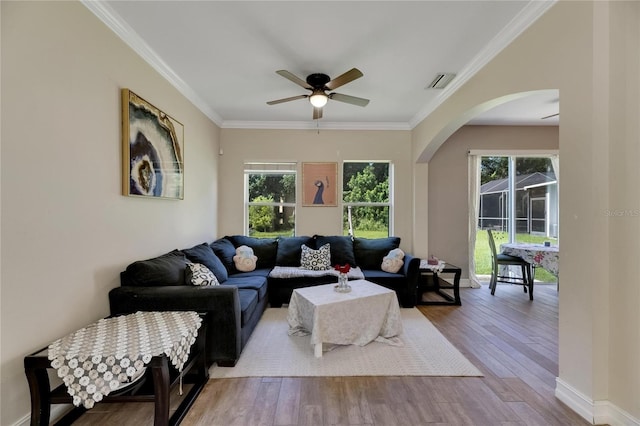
(221, 303)
(411, 270)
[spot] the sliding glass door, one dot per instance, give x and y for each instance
(518, 201)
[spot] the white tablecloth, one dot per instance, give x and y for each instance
(537, 255)
(369, 312)
(101, 357)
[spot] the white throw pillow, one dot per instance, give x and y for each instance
(198, 274)
(316, 260)
(244, 259)
(392, 262)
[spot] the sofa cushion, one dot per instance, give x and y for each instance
(199, 274)
(204, 254)
(242, 281)
(168, 269)
(316, 260)
(248, 302)
(225, 250)
(386, 279)
(290, 249)
(341, 249)
(255, 273)
(264, 248)
(370, 252)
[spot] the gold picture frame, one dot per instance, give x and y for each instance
(152, 150)
(320, 184)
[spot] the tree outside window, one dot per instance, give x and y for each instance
(366, 199)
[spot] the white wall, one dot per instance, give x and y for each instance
(590, 52)
(623, 209)
(66, 230)
(240, 146)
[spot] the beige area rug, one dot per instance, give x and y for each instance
(271, 352)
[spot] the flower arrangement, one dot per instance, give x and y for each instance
(343, 269)
(343, 282)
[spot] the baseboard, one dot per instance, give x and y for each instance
(595, 412)
(57, 411)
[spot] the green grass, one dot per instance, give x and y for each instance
(483, 254)
(359, 233)
(368, 234)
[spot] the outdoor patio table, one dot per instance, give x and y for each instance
(538, 255)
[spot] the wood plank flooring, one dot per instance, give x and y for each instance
(513, 341)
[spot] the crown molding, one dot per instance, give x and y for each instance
(308, 125)
(526, 17)
(116, 24)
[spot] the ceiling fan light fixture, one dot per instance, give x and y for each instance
(318, 99)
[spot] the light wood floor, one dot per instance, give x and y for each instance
(511, 340)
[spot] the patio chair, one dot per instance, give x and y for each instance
(501, 259)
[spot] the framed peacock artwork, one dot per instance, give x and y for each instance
(319, 184)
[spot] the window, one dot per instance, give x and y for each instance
(270, 199)
(366, 196)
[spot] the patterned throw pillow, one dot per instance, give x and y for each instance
(316, 260)
(198, 274)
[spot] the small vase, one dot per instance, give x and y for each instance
(343, 284)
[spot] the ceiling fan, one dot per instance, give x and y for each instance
(319, 84)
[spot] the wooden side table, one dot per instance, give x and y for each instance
(157, 390)
(431, 281)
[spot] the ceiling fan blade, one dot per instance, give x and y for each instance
(317, 113)
(343, 79)
(293, 98)
(353, 100)
(297, 80)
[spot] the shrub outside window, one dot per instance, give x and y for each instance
(270, 199)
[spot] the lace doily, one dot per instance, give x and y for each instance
(98, 359)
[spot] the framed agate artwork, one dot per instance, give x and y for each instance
(152, 150)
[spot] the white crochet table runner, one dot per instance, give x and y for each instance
(103, 356)
(433, 268)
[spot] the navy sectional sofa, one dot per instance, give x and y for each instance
(236, 305)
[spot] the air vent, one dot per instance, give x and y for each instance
(441, 80)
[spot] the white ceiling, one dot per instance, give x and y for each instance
(223, 55)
